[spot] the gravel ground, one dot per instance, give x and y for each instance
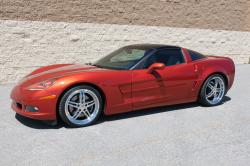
(185, 134)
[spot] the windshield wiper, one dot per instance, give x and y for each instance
(91, 64)
(97, 65)
(88, 63)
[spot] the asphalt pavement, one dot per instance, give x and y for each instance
(186, 134)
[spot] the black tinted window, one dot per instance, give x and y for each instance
(169, 57)
(195, 55)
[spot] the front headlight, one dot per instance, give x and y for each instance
(42, 85)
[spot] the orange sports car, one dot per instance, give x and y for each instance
(131, 78)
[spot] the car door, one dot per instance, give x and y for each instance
(173, 84)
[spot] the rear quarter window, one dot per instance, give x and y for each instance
(195, 55)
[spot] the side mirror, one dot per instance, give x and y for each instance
(156, 66)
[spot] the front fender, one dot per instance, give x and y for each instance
(115, 86)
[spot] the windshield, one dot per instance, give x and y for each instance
(122, 59)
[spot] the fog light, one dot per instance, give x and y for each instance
(32, 109)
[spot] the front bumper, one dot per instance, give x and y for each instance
(43, 100)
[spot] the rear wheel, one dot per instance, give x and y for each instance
(213, 91)
(80, 106)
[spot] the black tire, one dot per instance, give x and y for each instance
(202, 95)
(61, 106)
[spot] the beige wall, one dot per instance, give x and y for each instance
(26, 45)
(209, 14)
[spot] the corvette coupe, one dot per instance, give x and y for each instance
(131, 78)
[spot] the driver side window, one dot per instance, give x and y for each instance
(169, 57)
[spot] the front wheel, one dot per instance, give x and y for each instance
(80, 106)
(213, 91)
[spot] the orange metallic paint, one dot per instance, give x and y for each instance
(123, 90)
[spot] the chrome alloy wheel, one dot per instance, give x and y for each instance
(215, 90)
(81, 106)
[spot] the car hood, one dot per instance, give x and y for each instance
(56, 71)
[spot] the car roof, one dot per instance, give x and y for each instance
(153, 46)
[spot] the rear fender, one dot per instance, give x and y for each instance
(208, 71)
